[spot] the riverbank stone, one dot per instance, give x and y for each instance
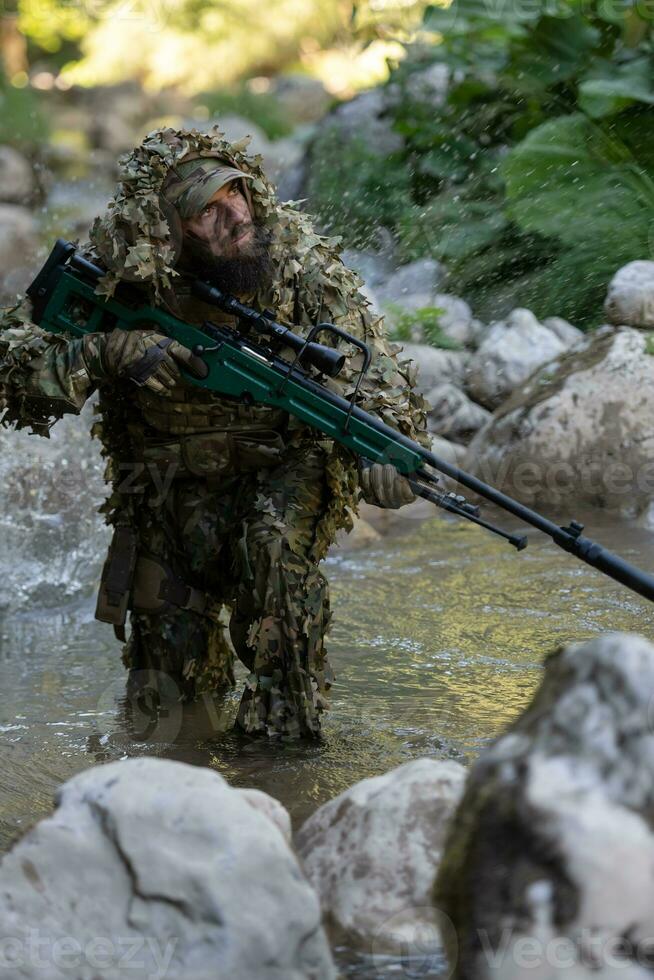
(510, 351)
(579, 431)
(436, 365)
(372, 852)
(453, 415)
(17, 183)
(168, 861)
(630, 296)
(548, 870)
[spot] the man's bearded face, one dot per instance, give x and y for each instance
(224, 246)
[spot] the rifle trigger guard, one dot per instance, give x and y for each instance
(348, 338)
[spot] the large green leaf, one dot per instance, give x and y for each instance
(554, 51)
(614, 88)
(572, 180)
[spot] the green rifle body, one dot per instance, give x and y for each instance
(65, 302)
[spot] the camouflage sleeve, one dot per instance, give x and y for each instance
(42, 376)
(329, 292)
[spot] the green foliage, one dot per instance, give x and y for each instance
(22, 123)
(351, 193)
(262, 109)
(533, 178)
(424, 321)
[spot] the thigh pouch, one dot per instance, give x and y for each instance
(142, 583)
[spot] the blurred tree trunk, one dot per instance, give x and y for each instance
(13, 46)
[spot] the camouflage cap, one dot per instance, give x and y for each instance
(194, 182)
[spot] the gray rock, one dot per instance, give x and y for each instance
(363, 535)
(509, 353)
(19, 245)
(291, 181)
(566, 333)
(428, 84)
(630, 296)
(372, 852)
(579, 431)
(453, 415)
(436, 365)
(305, 99)
(17, 184)
(548, 869)
(169, 861)
(374, 269)
(456, 320)
(412, 286)
(360, 119)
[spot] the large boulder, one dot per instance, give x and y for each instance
(17, 184)
(167, 861)
(410, 287)
(580, 430)
(510, 351)
(362, 119)
(630, 296)
(548, 868)
(435, 365)
(372, 852)
(19, 247)
(303, 98)
(452, 414)
(565, 331)
(424, 84)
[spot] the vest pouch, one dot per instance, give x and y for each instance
(223, 454)
(256, 450)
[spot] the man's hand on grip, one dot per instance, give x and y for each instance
(383, 486)
(143, 356)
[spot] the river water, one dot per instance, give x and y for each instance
(439, 634)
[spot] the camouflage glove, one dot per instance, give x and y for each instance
(143, 356)
(383, 486)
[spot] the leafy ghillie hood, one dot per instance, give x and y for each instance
(139, 238)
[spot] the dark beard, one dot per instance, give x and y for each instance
(248, 272)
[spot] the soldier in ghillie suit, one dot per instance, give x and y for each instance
(252, 498)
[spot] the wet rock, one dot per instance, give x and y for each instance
(410, 288)
(363, 535)
(291, 181)
(17, 184)
(375, 269)
(168, 860)
(372, 852)
(270, 807)
(456, 320)
(510, 352)
(361, 119)
(113, 133)
(428, 84)
(548, 868)
(454, 415)
(304, 99)
(580, 430)
(630, 296)
(435, 365)
(566, 333)
(281, 158)
(19, 246)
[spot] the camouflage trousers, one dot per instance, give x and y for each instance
(248, 544)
